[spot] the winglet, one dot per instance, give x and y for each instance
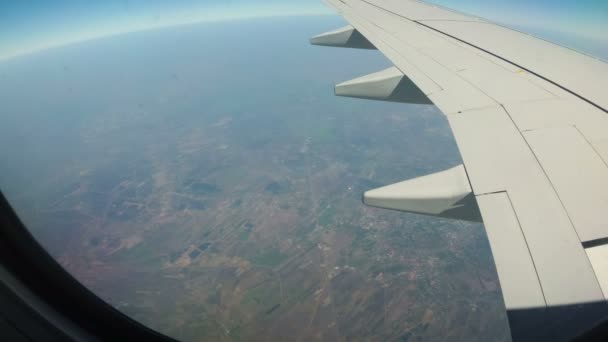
(347, 37)
(445, 194)
(386, 85)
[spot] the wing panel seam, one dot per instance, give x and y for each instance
(425, 55)
(515, 64)
(591, 145)
(359, 20)
(540, 284)
(558, 197)
(493, 54)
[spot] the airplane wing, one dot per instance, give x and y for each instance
(530, 120)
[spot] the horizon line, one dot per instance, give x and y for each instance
(92, 36)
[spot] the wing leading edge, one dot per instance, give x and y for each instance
(530, 121)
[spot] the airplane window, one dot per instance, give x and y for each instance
(190, 164)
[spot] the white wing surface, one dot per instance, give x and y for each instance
(531, 122)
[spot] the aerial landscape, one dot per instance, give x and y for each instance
(218, 198)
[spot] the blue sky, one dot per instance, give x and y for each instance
(31, 25)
